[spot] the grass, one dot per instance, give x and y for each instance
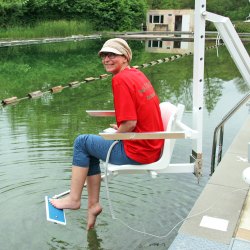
(61, 28)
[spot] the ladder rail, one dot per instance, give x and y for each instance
(221, 127)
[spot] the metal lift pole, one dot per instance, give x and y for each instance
(198, 81)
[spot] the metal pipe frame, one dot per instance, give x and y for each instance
(233, 43)
(198, 75)
(220, 125)
(241, 58)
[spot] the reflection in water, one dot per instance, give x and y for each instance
(93, 241)
(212, 91)
(37, 137)
(174, 47)
(241, 85)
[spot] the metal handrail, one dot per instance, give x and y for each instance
(221, 127)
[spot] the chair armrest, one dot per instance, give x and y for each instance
(152, 135)
(101, 112)
(139, 136)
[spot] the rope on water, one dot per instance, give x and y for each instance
(58, 89)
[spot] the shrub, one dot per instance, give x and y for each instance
(242, 27)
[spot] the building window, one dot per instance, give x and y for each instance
(170, 15)
(168, 47)
(177, 45)
(156, 18)
(155, 44)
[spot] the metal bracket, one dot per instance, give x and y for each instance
(153, 174)
(198, 166)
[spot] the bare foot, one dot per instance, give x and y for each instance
(67, 203)
(93, 212)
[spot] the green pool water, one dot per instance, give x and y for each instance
(37, 137)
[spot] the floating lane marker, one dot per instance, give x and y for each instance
(10, 100)
(89, 79)
(56, 89)
(152, 63)
(73, 84)
(214, 223)
(103, 76)
(14, 100)
(159, 61)
(35, 94)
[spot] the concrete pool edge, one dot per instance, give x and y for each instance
(224, 197)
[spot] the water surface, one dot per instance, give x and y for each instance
(37, 137)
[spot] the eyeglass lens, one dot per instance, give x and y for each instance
(110, 55)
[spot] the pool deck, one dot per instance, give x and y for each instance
(222, 211)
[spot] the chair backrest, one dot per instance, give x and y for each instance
(169, 115)
(167, 111)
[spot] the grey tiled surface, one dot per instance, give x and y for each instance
(237, 244)
(187, 242)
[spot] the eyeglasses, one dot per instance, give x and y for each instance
(110, 55)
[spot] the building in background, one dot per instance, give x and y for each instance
(170, 20)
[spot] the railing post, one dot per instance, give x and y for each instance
(214, 151)
(220, 144)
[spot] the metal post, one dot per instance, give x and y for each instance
(198, 75)
(220, 144)
(214, 151)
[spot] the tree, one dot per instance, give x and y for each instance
(118, 14)
(219, 6)
(163, 4)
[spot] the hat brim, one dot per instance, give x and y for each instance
(109, 49)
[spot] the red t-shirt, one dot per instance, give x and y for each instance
(135, 99)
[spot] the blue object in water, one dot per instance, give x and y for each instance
(54, 214)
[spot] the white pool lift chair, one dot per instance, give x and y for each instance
(171, 117)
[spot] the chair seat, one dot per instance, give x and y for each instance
(169, 115)
(148, 167)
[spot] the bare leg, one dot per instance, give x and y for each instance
(94, 207)
(73, 201)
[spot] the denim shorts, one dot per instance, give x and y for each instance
(88, 149)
